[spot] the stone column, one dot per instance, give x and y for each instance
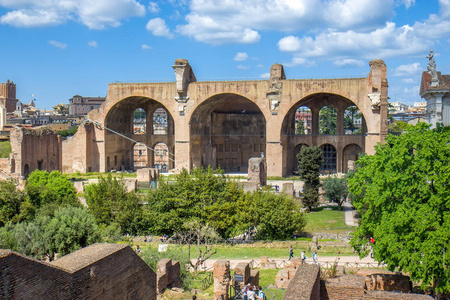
(315, 121)
(222, 279)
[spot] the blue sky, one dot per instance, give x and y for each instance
(55, 49)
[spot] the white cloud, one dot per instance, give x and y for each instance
(289, 44)
(240, 56)
(445, 7)
(407, 70)
(408, 3)
(264, 76)
(242, 67)
(153, 7)
(57, 44)
(348, 62)
(95, 15)
(146, 47)
(32, 18)
(158, 27)
(221, 22)
(300, 61)
(92, 44)
(388, 41)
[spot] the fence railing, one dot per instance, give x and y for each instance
(204, 283)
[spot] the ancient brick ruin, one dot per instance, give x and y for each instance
(220, 123)
(100, 271)
(167, 275)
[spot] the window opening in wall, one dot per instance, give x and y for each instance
(39, 163)
(329, 156)
(140, 159)
(352, 120)
(160, 121)
(303, 120)
(327, 120)
(161, 157)
(139, 121)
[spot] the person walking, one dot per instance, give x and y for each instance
(291, 253)
(303, 257)
(315, 257)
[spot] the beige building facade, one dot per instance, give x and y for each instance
(224, 123)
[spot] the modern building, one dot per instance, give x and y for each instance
(79, 105)
(435, 89)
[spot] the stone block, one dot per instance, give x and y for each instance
(130, 185)
(388, 282)
(176, 280)
(222, 279)
(264, 260)
(250, 187)
(243, 269)
(147, 174)
(295, 263)
(257, 171)
(254, 277)
(79, 186)
(282, 279)
(288, 188)
(163, 269)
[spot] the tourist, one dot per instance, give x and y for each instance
(315, 257)
(291, 253)
(245, 291)
(261, 294)
(303, 257)
(251, 295)
(138, 250)
(150, 238)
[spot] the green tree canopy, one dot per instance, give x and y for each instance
(309, 161)
(14, 205)
(335, 189)
(403, 195)
(109, 202)
(69, 229)
(43, 188)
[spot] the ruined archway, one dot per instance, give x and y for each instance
(316, 107)
(134, 118)
(351, 154)
(226, 131)
(140, 156)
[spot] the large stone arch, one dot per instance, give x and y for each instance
(351, 153)
(226, 130)
(120, 119)
(315, 102)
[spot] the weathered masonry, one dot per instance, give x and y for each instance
(224, 123)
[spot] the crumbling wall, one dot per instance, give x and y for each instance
(305, 284)
(222, 279)
(100, 271)
(35, 149)
(167, 274)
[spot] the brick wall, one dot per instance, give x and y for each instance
(100, 271)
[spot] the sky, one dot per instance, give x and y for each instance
(55, 49)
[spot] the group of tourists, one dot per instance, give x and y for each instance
(303, 255)
(251, 292)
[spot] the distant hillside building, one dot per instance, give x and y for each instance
(79, 105)
(435, 89)
(8, 96)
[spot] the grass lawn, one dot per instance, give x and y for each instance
(327, 219)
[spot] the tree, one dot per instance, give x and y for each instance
(43, 188)
(203, 236)
(336, 189)
(300, 127)
(14, 205)
(276, 217)
(309, 162)
(109, 202)
(327, 120)
(351, 114)
(402, 194)
(70, 229)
